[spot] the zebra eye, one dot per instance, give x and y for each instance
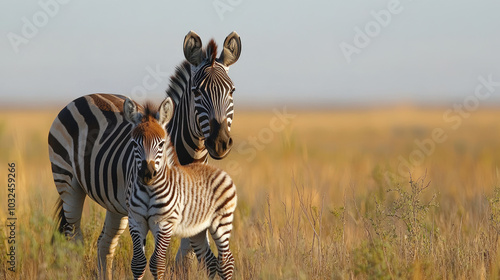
(197, 92)
(232, 91)
(161, 144)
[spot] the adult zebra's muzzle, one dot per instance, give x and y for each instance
(219, 143)
(148, 173)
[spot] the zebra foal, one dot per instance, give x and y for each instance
(170, 199)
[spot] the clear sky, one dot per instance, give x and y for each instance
(293, 52)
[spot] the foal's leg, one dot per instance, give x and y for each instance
(162, 233)
(138, 232)
(221, 231)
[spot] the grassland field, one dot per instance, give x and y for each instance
(384, 193)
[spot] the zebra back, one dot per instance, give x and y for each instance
(89, 145)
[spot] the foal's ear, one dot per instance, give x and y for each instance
(166, 111)
(232, 49)
(130, 111)
(192, 48)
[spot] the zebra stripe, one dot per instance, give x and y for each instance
(91, 154)
(177, 200)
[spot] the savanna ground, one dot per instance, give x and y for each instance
(322, 195)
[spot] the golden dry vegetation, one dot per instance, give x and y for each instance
(322, 195)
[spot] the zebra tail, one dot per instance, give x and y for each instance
(59, 217)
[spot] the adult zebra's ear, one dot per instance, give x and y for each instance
(232, 49)
(166, 111)
(192, 48)
(130, 111)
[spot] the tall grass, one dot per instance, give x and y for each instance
(321, 198)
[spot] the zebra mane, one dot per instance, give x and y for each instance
(212, 51)
(182, 76)
(179, 81)
(150, 110)
(149, 113)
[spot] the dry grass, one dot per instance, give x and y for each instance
(318, 198)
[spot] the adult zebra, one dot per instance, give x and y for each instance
(90, 153)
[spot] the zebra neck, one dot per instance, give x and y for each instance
(185, 131)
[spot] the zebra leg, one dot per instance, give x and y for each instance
(138, 232)
(185, 253)
(203, 253)
(114, 225)
(73, 197)
(162, 233)
(221, 232)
